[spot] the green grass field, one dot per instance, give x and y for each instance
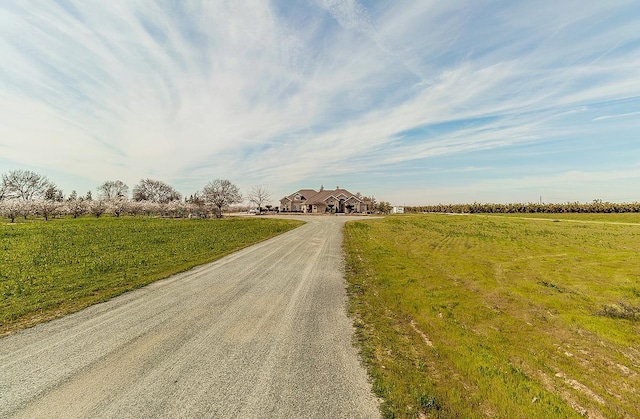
(499, 316)
(48, 269)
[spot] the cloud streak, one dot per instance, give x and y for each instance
(294, 95)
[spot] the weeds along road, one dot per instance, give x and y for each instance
(260, 333)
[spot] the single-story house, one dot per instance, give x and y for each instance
(325, 201)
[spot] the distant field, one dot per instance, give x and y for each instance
(498, 316)
(48, 269)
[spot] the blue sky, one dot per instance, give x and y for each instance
(415, 102)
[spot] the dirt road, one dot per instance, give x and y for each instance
(260, 333)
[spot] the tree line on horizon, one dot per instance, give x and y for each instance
(596, 206)
(24, 193)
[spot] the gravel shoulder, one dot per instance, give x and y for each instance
(260, 333)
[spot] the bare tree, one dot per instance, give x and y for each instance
(25, 184)
(155, 191)
(221, 193)
(113, 189)
(259, 195)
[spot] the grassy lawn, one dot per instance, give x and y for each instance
(48, 269)
(497, 316)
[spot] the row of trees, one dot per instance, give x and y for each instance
(24, 193)
(13, 209)
(596, 206)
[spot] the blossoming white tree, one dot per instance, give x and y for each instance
(11, 208)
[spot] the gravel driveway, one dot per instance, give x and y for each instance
(260, 333)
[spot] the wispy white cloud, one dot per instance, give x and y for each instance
(622, 115)
(287, 95)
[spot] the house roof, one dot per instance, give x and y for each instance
(323, 196)
(304, 194)
(310, 196)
